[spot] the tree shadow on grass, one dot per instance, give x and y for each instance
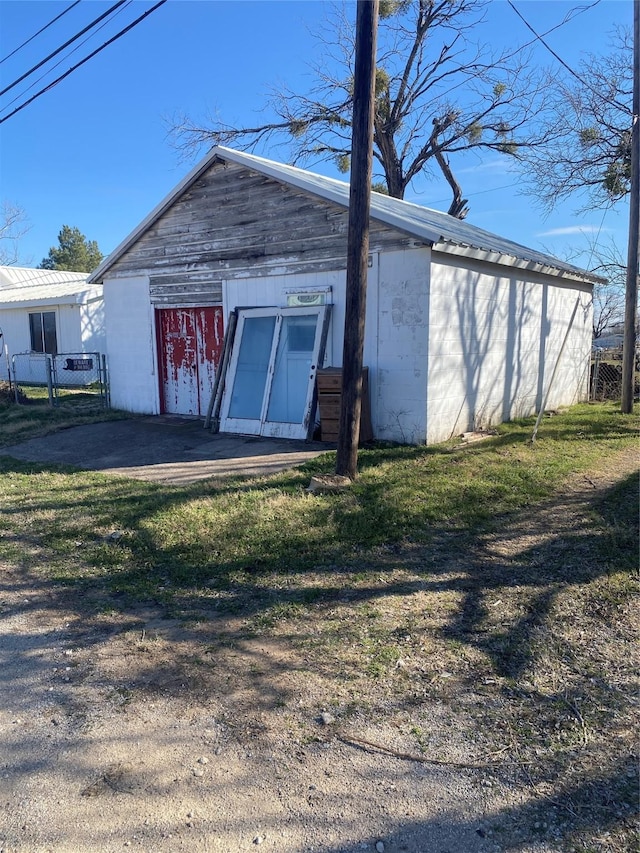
(603, 539)
(126, 576)
(539, 556)
(105, 521)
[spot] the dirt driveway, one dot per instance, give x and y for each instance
(164, 449)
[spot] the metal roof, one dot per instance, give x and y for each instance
(27, 286)
(29, 277)
(444, 232)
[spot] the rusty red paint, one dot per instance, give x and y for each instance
(189, 351)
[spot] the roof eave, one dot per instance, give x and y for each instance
(80, 298)
(493, 257)
(37, 303)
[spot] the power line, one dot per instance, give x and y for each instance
(66, 44)
(21, 94)
(597, 237)
(86, 59)
(473, 195)
(571, 14)
(46, 26)
(575, 74)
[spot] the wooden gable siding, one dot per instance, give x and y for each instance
(233, 223)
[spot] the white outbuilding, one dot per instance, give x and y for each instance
(464, 328)
(48, 312)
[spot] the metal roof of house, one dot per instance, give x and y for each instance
(29, 277)
(26, 286)
(444, 232)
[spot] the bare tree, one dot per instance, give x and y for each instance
(608, 308)
(13, 226)
(588, 132)
(604, 259)
(438, 93)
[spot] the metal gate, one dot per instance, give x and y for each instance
(85, 371)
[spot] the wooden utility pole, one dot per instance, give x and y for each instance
(631, 297)
(358, 235)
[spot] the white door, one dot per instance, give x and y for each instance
(271, 380)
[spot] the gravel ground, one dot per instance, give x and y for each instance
(86, 767)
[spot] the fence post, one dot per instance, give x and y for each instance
(100, 382)
(47, 362)
(6, 355)
(15, 381)
(594, 378)
(105, 383)
(102, 378)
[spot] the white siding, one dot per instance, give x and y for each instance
(131, 350)
(68, 328)
(260, 292)
(571, 382)
(494, 339)
(402, 346)
(14, 323)
(92, 328)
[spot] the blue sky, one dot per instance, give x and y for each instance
(93, 152)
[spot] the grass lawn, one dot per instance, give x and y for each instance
(462, 576)
(35, 417)
(175, 542)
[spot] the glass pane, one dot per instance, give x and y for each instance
(291, 375)
(35, 328)
(252, 367)
(49, 332)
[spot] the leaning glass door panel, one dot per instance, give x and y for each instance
(252, 368)
(272, 370)
(294, 357)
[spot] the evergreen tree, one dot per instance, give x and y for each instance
(74, 252)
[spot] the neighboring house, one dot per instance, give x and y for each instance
(48, 311)
(463, 328)
(612, 341)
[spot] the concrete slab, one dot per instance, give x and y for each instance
(165, 449)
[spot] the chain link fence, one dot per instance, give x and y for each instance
(31, 368)
(80, 371)
(606, 374)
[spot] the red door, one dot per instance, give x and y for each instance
(189, 346)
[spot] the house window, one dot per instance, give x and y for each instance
(42, 325)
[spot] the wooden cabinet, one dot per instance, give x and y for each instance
(329, 382)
